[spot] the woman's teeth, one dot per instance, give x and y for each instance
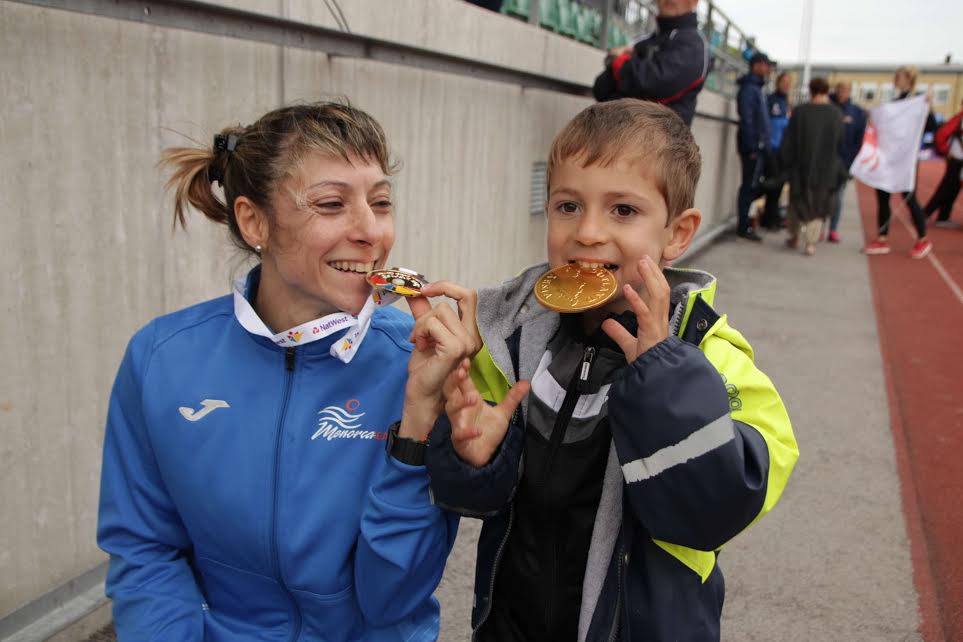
(349, 266)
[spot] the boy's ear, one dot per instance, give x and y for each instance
(681, 232)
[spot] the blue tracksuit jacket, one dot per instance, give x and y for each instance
(754, 131)
(274, 514)
(778, 105)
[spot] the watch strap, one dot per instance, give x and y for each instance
(407, 451)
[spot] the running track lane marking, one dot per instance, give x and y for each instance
(935, 262)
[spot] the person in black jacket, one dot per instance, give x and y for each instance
(810, 155)
(753, 138)
(949, 187)
(669, 67)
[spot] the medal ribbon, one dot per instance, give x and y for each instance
(311, 331)
(346, 347)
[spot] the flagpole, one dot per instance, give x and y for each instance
(805, 42)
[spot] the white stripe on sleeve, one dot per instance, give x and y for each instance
(708, 438)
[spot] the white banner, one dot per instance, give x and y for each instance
(887, 160)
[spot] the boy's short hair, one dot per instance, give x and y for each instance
(635, 129)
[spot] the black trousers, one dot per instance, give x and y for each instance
(883, 214)
(750, 189)
(948, 190)
(771, 217)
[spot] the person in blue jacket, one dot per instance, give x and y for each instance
(753, 137)
(246, 490)
(854, 127)
(779, 111)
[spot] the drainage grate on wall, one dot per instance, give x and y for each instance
(538, 192)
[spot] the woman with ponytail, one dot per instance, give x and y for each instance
(246, 491)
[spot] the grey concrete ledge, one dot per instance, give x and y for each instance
(56, 610)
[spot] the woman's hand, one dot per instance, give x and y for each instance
(441, 341)
(477, 429)
(652, 315)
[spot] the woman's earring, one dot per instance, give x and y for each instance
(257, 248)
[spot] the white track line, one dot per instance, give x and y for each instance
(935, 262)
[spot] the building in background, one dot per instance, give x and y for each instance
(873, 83)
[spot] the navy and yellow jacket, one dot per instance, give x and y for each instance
(701, 447)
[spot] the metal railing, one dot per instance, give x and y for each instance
(613, 23)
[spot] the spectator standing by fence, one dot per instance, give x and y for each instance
(669, 67)
(491, 5)
(810, 154)
(753, 137)
(854, 126)
(779, 112)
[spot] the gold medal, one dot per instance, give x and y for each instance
(397, 281)
(572, 288)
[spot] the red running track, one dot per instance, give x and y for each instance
(919, 312)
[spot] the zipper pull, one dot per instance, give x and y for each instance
(289, 359)
(587, 358)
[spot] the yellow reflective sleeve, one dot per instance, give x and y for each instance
(699, 562)
(491, 382)
(753, 400)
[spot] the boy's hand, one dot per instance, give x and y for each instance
(652, 315)
(441, 342)
(467, 301)
(477, 429)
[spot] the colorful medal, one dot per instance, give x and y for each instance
(572, 288)
(398, 281)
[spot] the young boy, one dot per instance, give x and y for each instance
(649, 440)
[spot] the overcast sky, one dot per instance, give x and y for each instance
(869, 31)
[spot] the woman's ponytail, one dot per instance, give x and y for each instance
(193, 174)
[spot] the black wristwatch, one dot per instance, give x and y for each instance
(407, 451)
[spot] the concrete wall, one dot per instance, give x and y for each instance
(89, 256)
